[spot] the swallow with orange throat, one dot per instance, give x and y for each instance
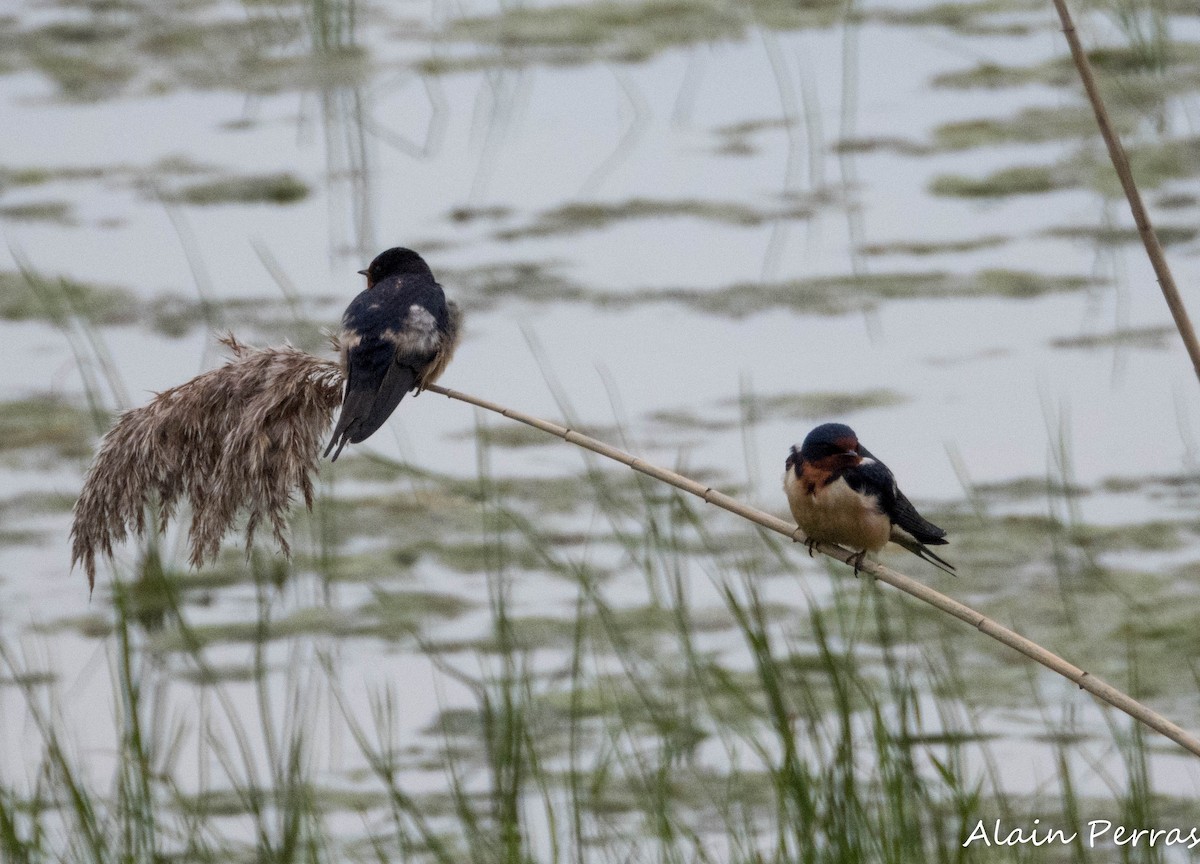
(397, 335)
(840, 493)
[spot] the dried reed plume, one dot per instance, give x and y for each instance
(243, 437)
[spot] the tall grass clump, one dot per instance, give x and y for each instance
(239, 439)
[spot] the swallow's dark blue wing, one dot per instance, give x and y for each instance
(905, 515)
(915, 531)
(392, 330)
(873, 479)
(397, 381)
(367, 366)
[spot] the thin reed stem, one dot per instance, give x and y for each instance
(1086, 681)
(1120, 162)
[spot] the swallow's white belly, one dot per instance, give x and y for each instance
(837, 514)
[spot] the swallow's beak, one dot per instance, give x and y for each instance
(362, 272)
(853, 453)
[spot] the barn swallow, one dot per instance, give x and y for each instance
(397, 335)
(840, 493)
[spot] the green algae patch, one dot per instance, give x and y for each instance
(210, 674)
(28, 680)
(517, 436)
(689, 420)
(608, 630)
(423, 512)
(1018, 284)
(807, 406)
(880, 144)
(270, 318)
(92, 625)
(1018, 180)
(466, 215)
(484, 557)
(1030, 126)
(176, 165)
(989, 75)
(513, 436)
(161, 590)
(733, 696)
(390, 616)
(369, 467)
(577, 217)
(830, 295)
(735, 138)
(1176, 201)
(22, 537)
(80, 76)
(624, 32)
(837, 295)
(1155, 536)
(1027, 489)
(1168, 235)
(48, 423)
(32, 298)
(629, 31)
(1182, 491)
(975, 19)
(244, 800)
(537, 282)
(405, 612)
(58, 212)
(1154, 163)
(521, 633)
(364, 567)
(946, 247)
(282, 188)
(39, 175)
(1171, 67)
(36, 504)
(155, 48)
(439, 519)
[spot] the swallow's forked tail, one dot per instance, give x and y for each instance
(923, 552)
(366, 408)
(354, 407)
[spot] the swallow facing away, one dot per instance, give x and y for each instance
(397, 335)
(840, 493)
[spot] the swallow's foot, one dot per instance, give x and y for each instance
(811, 544)
(856, 561)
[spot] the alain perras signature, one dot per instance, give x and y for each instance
(1096, 832)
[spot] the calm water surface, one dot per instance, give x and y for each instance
(669, 222)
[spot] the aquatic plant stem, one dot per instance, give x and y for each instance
(1086, 681)
(1120, 162)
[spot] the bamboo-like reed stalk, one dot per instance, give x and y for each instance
(1086, 681)
(1120, 161)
